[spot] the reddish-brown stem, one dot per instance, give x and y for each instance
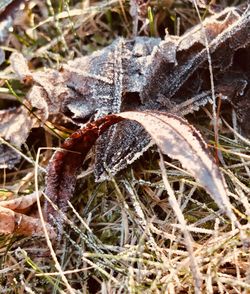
(67, 162)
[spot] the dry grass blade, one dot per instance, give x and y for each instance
(188, 239)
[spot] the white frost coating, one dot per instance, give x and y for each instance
(78, 109)
(118, 88)
(16, 124)
(2, 56)
(117, 167)
(228, 16)
(87, 74)
(181, 74)
(19, 65)
(118, 76)
(4, 27)
(179, 140)
(194, 104)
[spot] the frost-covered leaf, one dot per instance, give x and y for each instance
(8, 11)
(20, 67)
(2, 56)
(8, 157)
(145, 73)
(226, 32)
(66, 163)
(91, 85)
(178, 81)
(15, 125)
(119, 147)
(173, 135)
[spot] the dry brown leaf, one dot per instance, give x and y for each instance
(16, 223)
(20, 66)
(15, 125)
(20, 204)
(179, 140)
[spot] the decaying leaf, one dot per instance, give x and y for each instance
(66, 163)
(8, 11)
(15, 125)
(8, 157)
(20, 204)
(14, 221)
(179, 140)
(173, 135)
(90, 85)
(178, 80)
(146, 74)
(20, 67)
